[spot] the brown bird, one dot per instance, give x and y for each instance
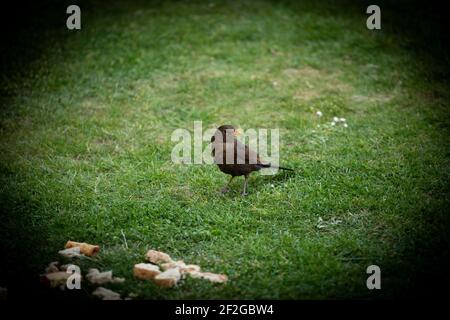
(242, 162)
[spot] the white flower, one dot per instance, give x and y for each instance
(335, 119)
(345, 125)
(342, 120)
(319, 114)
(333, 123)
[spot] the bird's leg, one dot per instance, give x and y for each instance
(244, 192)
(225, 189)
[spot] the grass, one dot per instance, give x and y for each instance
(85, 137)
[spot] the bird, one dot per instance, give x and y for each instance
(244, 160)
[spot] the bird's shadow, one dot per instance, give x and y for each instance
(279, 177)
(257, 182)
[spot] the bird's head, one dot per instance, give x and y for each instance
(225, 133)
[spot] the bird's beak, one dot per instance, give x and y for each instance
(236, 133)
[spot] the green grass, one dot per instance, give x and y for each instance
(85, 150)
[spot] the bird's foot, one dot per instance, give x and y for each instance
(224, 190)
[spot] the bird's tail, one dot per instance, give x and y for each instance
(284, 168)
(275, 167)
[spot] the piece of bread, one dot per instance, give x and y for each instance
(190, 268)
(106, 294)
(184, 268)
(70, 252)
(157, 257)
(55, 279)
(174, 264)
(168, 278)
(52, 267)
(97, 277)
(146, 271)
(213, 277)
(85, 248)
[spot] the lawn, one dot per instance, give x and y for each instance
(86, 124)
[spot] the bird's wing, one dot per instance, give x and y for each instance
(218, 152)
(243, 154)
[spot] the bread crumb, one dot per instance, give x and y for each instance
(145, 271)
(168, 278)
(157, 257)
(106, 294)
